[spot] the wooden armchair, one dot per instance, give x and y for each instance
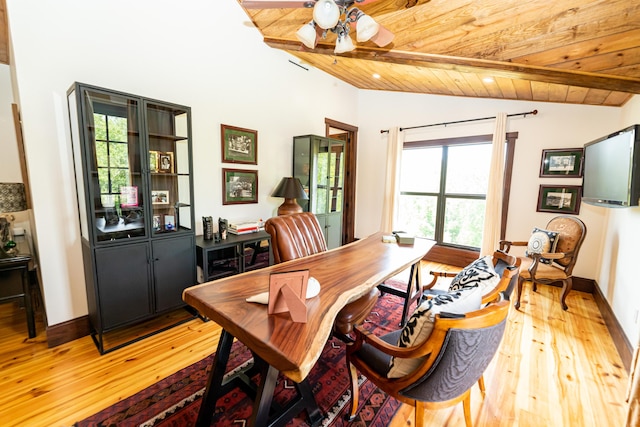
(298, 235)
(571, 232)
(454, 357)
(505, 265)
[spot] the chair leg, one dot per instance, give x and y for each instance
(419, 420)
(466, 406)
(567, 285)
(520, 282)
(481, 386)
(353, 373)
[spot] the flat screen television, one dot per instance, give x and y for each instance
(611, 176)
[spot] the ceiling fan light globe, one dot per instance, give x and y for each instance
(344, 44)
(307, 35)
(366, 27)
(326, 14)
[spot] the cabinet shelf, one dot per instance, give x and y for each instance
(167, 137)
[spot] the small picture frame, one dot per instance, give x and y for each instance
(239, 186)
(165, 162)
(157, 223)
(169, 223)
(288, 293)
(560, 199)
(562, 163)
(239, 145)
(160, 197)
(153, 161)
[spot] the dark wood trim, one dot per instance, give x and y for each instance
(620, 340)
(4, 34)
(350, 161)
(451, 256)
(68, 331)
(508, 172)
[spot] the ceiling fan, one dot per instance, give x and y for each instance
(327, 17)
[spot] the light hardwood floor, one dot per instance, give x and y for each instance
(554, 368)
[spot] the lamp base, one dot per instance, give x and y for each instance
(290, 206)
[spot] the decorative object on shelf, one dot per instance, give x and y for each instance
(160, 197)
(165, 162)
(169, 222)
(559, 199)
(157, 222)
(239, 186)
(207, 228)
(562, 163)
(128, 196)
(153, 161)
(223, 225)
(12, 199)
(239, 145)
(291, 189)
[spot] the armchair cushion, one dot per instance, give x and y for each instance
(542, 241)
(420, 325)
(479, 273)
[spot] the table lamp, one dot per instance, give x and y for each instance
(291, 189)
(12, 199)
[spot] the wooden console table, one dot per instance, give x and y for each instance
(345, 274)
(9, 289)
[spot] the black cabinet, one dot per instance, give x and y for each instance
(233, 255)
(133, 163)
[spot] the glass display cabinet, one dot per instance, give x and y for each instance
(318, 163)
(133, 164)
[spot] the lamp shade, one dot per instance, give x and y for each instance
(366, 27)
(326, 14)
(12, 197)
(307, 35)
(291, 189)
(344, 44)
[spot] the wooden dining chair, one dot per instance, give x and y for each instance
(449, 362)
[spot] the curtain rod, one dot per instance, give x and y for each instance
(534, 112)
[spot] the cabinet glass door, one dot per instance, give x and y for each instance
(112, 139)
(330, 177)
(169, 168)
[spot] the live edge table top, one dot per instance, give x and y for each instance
(345, 274)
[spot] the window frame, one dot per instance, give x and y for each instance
(510, 139)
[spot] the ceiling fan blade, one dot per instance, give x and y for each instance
(275, 4)
(383, 37)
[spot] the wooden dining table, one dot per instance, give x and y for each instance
(279, 344)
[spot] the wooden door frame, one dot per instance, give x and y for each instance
(351, 145)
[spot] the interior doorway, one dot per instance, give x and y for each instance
(348, 134)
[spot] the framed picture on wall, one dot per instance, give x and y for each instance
(559, 199)
(239, 145)
(559, 163)
(239, 186)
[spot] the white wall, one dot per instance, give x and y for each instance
(10, 170)
(202, 54)
(205, 55)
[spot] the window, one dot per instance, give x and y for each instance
(443, 188)
(112, 156)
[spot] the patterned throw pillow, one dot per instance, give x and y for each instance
(542, 241)
(420, 325)
(479, 273)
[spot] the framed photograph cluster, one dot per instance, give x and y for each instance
(239, 186)
(562, 163)
(161, 162)
(560, 199)
(239, 145)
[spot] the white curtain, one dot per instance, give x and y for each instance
(493, 212)
(395, 142)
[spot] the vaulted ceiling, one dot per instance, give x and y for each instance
(568, 51)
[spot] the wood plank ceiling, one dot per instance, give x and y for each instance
(567, 51)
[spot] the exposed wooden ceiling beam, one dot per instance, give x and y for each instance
(467, 65)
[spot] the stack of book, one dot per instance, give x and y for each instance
(244, 228)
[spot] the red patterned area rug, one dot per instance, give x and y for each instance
(175, 400)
